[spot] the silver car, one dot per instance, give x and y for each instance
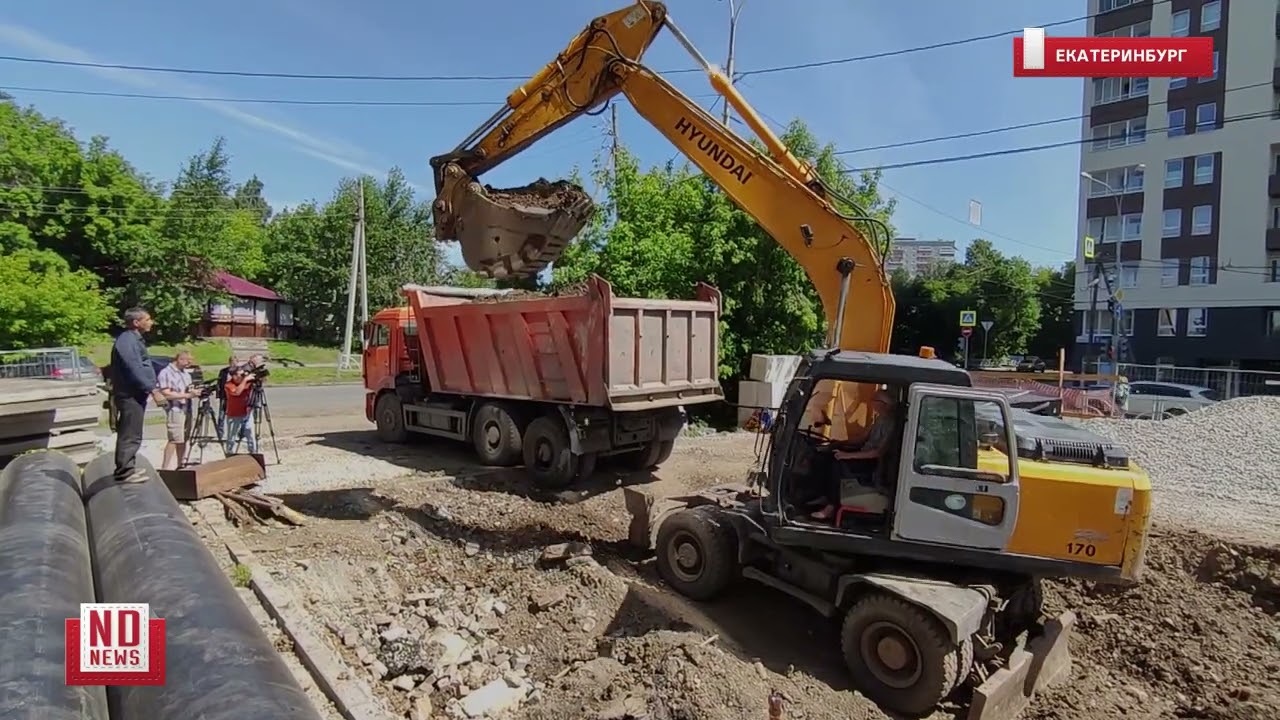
(1155, 400)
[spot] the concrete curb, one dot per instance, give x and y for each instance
(352, 697)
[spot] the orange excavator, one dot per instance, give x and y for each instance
(935, 555)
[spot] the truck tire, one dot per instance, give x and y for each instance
(697, 553)
(648, 457)
(496, 435)
(548, 458)
(388, 415)
(899, 656)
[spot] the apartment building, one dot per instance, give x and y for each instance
(916, 256)
(1180, 189)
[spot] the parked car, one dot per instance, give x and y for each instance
(1149, 399)
(57, 365)
(1030, 363)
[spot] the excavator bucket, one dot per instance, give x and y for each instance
(513, 232)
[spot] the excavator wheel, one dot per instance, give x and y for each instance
(900, 657)
(697, 553)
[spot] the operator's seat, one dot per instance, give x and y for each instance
(860, 500)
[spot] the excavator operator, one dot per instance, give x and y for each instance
(859, 462)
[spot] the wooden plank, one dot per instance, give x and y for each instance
(56, 420)
(201, 481)
(51, 442)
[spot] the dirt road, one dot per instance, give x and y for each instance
(456, 570)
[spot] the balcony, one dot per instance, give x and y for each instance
(1273, 240)
(1273, 186)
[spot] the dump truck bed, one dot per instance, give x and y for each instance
(588, 348)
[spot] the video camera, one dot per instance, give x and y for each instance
(205, 388)
(257, 372)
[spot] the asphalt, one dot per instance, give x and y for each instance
(311, 400)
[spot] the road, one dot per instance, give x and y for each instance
(310, 400)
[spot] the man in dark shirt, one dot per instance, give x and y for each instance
(132, 379)
(224, 376)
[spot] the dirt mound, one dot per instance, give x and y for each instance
(1186, 640)
(541, 193)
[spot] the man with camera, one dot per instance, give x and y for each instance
(220, 390)
(239, 390)
(175, 385)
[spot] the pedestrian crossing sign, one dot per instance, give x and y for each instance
(1088, 247)
(968, 318)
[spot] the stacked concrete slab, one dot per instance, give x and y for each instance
(37, 414)
(763, 390)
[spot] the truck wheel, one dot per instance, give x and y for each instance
(388, 414)
(548, 457)
(496, 435)
(900, 657)
(650, 456)
(697, 553)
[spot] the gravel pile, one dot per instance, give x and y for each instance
(1219, 465)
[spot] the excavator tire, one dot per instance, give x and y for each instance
(388, 414)
(900, 656)
(697, 553)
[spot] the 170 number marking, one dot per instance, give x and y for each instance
(1086, 549)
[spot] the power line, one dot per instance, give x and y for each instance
(520, 77)
(1010, 128)
(1266, 114)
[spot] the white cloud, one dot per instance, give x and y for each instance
(340, 154)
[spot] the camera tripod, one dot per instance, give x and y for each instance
(199, 432)
(261, 410)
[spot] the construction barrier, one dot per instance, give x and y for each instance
(219, 663)
(45, 574)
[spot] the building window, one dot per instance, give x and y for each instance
(1273, 323)
(1206, 117)
(1122, 180)
(1197, 322)
(1142, 29)
(1094, 227)
(1109, 5)
(1210, 16)
(1173, 173)
(1275, 216)
(1120, 134)
(1126, 323)
(1172, 223)
(1133, 226)
(1214, 76)
(1128, 275)
(1177, 123)
(1181, 24)
(1201, 219)
(1109, 90)
(1273, 267)
(1167, 322)
(1169, 272)
(1178, 82)
(1200, 270)
(1204, 170)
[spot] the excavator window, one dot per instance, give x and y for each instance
(950, 433)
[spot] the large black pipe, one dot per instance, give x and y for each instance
(219, 663)
(45, 574)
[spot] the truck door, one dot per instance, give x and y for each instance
(376, 365)
(953, 487)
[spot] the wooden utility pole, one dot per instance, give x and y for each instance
(613, 134)
(358, 278)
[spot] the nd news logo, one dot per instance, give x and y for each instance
(115, 644)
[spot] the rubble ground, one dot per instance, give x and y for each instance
(474, 596)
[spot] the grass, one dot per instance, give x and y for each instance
(292, 363)
(241, 575)
(311, 376)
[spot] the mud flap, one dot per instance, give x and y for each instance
(1045, 662)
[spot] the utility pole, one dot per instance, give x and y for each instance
(357, 276)
(613, 134)
(734, 9)
(364, 274)
(1100, 276)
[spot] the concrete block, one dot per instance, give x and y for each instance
(759, 394)
(774, 368)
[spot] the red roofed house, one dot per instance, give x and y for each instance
(254, 311)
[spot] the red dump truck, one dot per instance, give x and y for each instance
(553, 382)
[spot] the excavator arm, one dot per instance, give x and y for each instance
(518, 231)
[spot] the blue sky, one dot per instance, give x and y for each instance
(1029, 200)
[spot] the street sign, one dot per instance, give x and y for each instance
(966, 331)
(1118, 295)
(986, 325)
(1088, 247)
(968, 318)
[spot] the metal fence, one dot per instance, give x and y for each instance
(1226, 382)
(64, 363)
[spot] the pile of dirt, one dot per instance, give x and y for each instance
(541, 193)
(1197, 638)
(516, 294)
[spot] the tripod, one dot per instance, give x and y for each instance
(261, 410)
(199, 433)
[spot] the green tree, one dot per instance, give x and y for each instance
(1056, 288)
(46, 303)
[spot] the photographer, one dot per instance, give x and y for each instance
(239, 391)
(224, 376)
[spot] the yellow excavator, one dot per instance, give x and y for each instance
(940, 537)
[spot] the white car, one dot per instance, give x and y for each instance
(1149, 399)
